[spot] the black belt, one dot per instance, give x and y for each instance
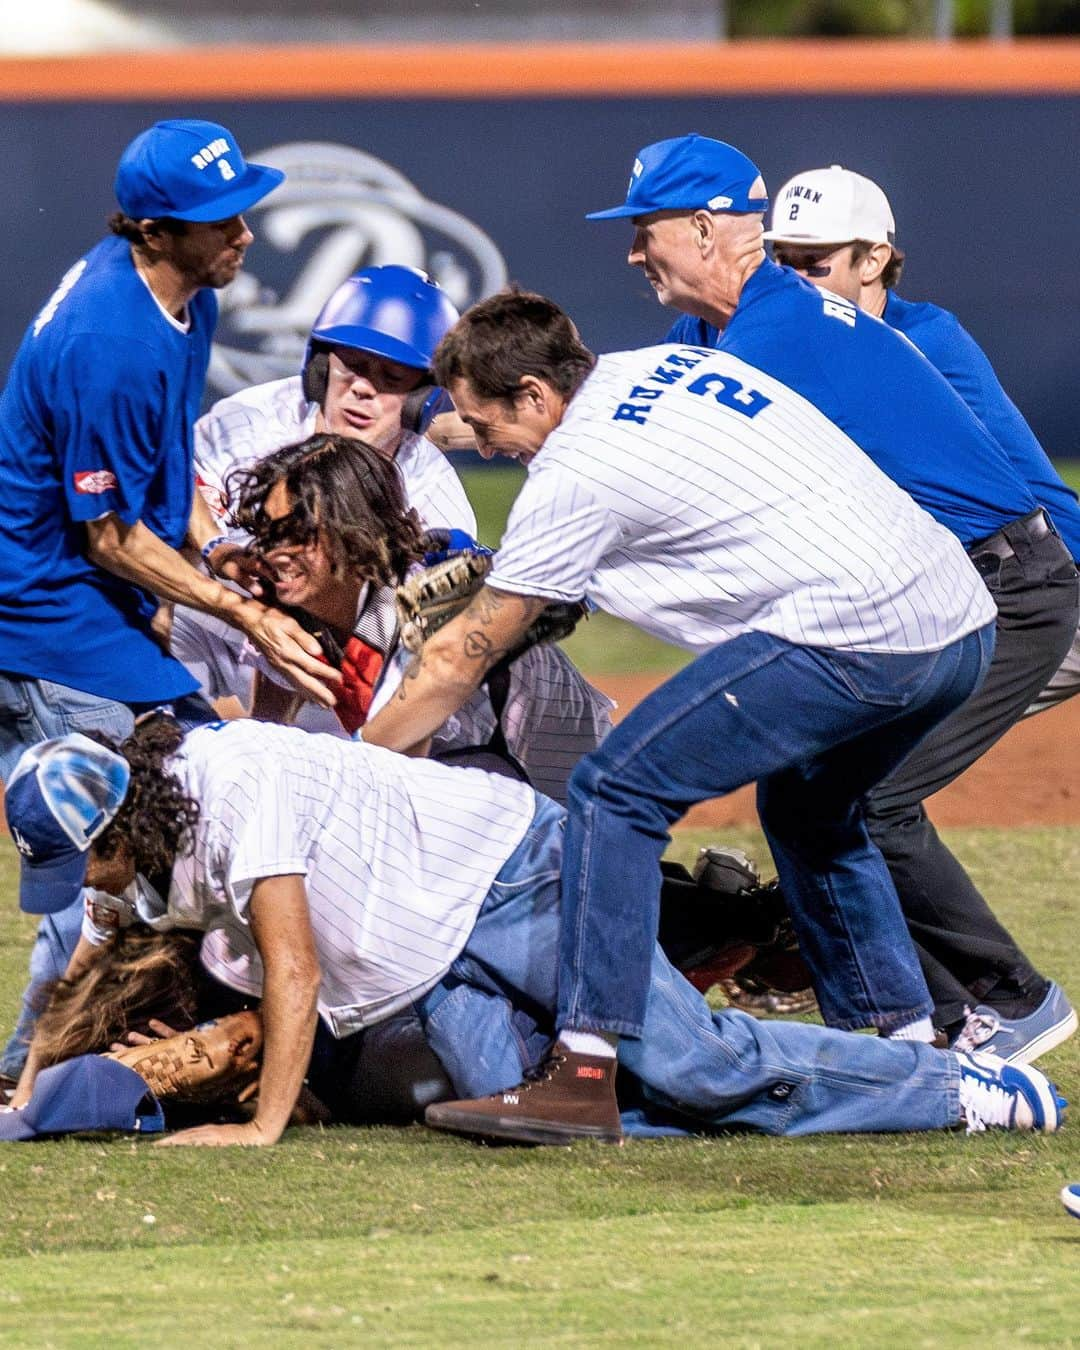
(1034, 526)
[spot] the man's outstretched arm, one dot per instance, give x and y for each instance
(450, 667)
(281, 927)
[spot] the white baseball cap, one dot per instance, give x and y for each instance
(831, 206)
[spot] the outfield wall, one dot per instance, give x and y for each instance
(479, 163)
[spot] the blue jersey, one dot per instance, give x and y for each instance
(95, 419)
(878, 389)
(949, 347)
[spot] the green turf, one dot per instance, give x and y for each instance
(401, 1237)
(1070, 471)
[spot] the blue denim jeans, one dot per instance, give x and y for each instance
(815, 728)
(697, 1068)
(32, 711)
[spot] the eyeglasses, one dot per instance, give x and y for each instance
(805, 258)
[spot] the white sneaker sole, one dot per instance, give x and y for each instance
(1045, 1104)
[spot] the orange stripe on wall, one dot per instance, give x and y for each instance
(781, 67)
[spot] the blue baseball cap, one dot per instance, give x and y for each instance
(61, 795)
(189, 170)
(90, 1092)
(690, 173)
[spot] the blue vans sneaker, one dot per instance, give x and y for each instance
(1019, 1040)
(1070, 1198)
(1006, 1096)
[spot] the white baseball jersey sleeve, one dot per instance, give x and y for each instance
(397, 855)
(699, 498)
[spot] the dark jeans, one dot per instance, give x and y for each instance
(816, 728)
(967, 956)
(384, 1075)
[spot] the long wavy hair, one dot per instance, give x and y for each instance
(343, 492)
(143, 975)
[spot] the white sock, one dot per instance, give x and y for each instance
(922, 1030)
(602, 1044)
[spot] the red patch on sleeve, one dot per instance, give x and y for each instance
(95, 481)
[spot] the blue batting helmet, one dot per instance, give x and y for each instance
(395, 312)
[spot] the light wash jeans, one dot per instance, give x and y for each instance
(695, 1067)
(32, 711)
(815, 729)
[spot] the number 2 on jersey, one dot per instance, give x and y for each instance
(730, 393)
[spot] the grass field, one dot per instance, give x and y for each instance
(349, 1237)
(401, 1237)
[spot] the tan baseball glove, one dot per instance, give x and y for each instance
(214, 1062)
(432, 597)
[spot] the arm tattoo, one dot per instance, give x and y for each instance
(479, 647)
(411, 672)
(488, 607)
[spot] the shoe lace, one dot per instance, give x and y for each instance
(978, 1028)
(540, 1073)
(984, 1104)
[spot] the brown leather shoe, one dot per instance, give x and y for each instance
(568, 1097)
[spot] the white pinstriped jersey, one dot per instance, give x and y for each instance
(699, 498)
(397, 856)
(248, 426)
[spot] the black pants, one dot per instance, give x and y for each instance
(968, 957)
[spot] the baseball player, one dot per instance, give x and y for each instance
(366, 374)
(96, 460)
(696, 205)
(329, 519)
(834, 624)
(812, 211)
(291, 845)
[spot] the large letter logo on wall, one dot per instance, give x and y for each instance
(338, 209)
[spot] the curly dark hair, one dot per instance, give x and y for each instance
(157, 817)
(343, 491)
(508, 335)
(130, 229)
